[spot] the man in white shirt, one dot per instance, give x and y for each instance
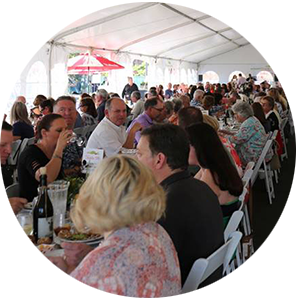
(110, 134)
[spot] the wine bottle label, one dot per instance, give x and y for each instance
(45, 227)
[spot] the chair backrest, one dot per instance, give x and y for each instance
(273, 135)
(284, 114)
(260, 160)
(233, 224)
(282, 125)
(13, 190)
(242, 197)
(13, 157)
(31, 141)
(248, 173)
(23, 145)
(203, 268)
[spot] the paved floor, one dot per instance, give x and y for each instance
(274, 260)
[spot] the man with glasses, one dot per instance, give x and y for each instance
(153, 109)
(110, 134)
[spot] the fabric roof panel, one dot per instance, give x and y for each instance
(202, 45)
(160, 44)
(135, 26)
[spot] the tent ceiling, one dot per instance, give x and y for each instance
(153, 29)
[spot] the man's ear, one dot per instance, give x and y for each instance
(161, 160)
(106, 112)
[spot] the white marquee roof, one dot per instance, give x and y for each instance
(153, 29)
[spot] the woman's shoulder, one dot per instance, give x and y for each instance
(32, 151)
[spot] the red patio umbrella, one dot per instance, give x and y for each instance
(86, 64)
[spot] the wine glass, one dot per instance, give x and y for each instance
(78, 139)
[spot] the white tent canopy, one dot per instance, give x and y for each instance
(177, 42)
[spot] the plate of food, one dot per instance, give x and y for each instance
(71, 235)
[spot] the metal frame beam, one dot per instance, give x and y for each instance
(155, 34)
(197, 21)
(104, 20)
(122, 52)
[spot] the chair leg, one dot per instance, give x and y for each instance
(267, 181)
(276, 176)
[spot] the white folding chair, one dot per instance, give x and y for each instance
(273, 138)
(14, 155)
(266, 171)
(203, 268)
(233, 223)
(281, 127)
(13, 190)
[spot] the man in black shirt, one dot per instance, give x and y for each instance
(129, 88)
(193, 215)
(268, 105)
(16, 203)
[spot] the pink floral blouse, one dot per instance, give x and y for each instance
(139, 261)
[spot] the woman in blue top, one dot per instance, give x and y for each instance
(251, 138)
(22, 127)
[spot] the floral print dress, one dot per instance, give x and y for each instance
(250, 141)
(137, 261)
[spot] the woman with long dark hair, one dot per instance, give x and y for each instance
(217, 170)
(89, 112)
(52, 138)
(260, 115)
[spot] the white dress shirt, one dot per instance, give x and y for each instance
(108, 136)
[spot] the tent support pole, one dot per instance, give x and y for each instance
(49, 71)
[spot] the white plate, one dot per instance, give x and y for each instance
(89, 241)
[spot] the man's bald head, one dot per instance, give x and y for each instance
(115, 111)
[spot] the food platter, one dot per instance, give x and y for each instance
(70, 235)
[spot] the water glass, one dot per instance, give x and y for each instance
(26, 221)
(58, 192)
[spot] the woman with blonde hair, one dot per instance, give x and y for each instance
(22, 127)
(280, 102)
(122, 201)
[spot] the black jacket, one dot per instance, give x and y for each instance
(128, 89)
(194, 221)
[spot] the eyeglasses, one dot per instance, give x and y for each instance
(158, 109)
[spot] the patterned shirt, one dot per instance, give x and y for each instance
(138, 261)
(250, 141)
(88, 120)
(72, 156)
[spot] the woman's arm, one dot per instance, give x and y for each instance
(54, 165)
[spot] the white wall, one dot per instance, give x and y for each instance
(245, 59)
(22, 44)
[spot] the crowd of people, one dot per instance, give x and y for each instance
(156, 213)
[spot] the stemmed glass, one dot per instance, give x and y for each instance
(78, 139)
